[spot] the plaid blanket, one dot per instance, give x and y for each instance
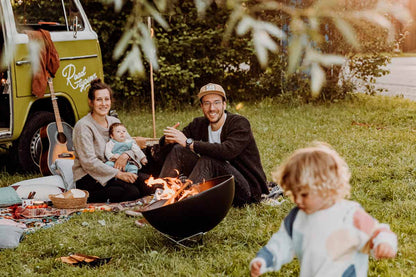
(32, 220)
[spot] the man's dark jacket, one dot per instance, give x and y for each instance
(237, 146)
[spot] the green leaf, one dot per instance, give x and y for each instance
(317, 79)
(148, 46)
(161, 4)
(347, 31)
(122, 44)
(8, 52)
(136, 64)
(132, 63)
(202, 5)
(297, 26)
(34, 48)
(156, 15)
(118, 4)
(235, 16)
(295, 53)
(272, 29)
(328, 60)
(376, 18)
(245, 24)
(401, 13)
(314, 22)
(313, 56)
(325, 4)
(262, 43)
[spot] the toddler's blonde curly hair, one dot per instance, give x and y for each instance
(319, 168)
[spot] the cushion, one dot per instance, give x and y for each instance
(8, 197)
(10, 236)
(43, 186)
(63, 168)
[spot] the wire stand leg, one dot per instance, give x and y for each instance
(196, 238)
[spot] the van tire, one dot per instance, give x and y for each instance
(29, 143)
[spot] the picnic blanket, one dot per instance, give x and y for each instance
(16, 221)
(33, 219)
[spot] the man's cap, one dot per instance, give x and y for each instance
(211, 88)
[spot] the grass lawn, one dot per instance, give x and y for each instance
(375, 135)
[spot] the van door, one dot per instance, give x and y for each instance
(5, 90)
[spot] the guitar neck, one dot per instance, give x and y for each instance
(55, 107)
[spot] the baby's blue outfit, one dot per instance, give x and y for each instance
(120, 148)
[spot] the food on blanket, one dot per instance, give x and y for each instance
(88, 210)
(72, 193)
(27, 202)
(37, 206)
(96, 207)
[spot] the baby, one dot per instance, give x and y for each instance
(331, 236)
(118, 144)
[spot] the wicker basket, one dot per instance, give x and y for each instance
(69, 203)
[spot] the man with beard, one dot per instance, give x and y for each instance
(216, 144)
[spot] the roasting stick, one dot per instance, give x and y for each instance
(179, 191)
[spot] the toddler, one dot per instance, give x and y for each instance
(118, 144)
(331, 236)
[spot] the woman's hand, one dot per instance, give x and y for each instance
(121, 162)
(126, 176)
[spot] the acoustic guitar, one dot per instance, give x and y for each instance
(56, 139)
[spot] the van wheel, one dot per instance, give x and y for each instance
(29, 146)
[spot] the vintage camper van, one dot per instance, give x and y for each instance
(22, 114)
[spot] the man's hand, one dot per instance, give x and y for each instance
(126, 176)
(384, 250)
(121, 162)
(172, 135)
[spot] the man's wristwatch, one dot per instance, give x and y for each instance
(189, 141)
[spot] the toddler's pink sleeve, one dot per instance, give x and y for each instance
(375, 232)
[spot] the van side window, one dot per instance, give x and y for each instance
(74, 16)
(47, 14)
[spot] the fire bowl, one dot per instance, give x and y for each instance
(195, 214)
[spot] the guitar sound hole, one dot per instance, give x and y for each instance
(61, 137)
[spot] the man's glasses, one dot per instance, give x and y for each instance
(216, 104)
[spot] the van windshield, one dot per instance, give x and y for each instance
(52, 15)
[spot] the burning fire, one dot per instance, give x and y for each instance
(173, 189)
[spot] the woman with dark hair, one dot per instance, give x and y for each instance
(91, 133)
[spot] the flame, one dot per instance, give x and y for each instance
(170, 185)
(189, 192)
(173, 189)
